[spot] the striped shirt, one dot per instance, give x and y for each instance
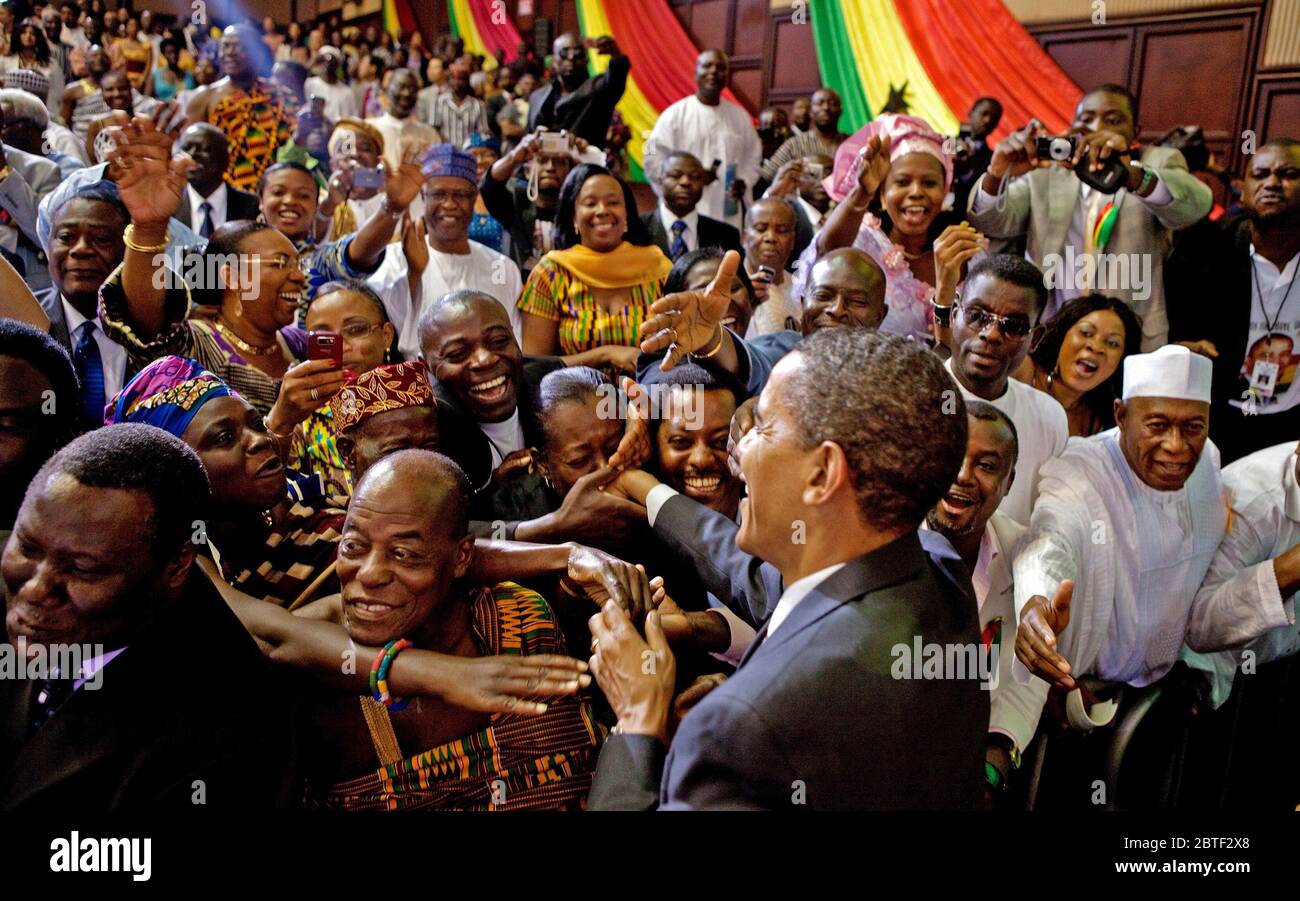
(810, 143)
(457, 122)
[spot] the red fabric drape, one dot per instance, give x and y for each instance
(497, 37)
(405, 17)
(976, 48)
(662, 54)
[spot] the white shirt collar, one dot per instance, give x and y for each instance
(990, 550)
(217, 198)
(796, 592)
(74, 318)
(1287, 272)
(1291, 506)
(692, 220)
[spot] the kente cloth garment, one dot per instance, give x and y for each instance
(1137, 557)
(196, 337)
(394, 386)
(561, 285)
(312, 449)
(296, 551)
(255, 123)
(167, 394)
(519, 762)
(88, 108)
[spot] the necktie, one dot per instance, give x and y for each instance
(90, 369)
(50, 694)
(205, 227)
(679, 239)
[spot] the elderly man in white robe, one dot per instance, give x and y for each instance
(440, 257)
(1123, 532)
(987, 540)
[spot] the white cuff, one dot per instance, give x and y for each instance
(657, 497)
(1160, 195)
(742, 635)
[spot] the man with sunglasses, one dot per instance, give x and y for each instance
(574, 102)
(994, 324)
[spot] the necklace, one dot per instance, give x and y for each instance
(913, 256)
(243, 345)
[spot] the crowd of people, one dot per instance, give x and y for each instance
(824, 480)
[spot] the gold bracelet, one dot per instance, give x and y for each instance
(722, 338)
(272, 432)
(129, 235)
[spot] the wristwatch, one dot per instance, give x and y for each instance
(942, 313)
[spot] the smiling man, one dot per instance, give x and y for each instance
(452, 262)
(828, 560)
(677, 225)
(404, 548)
(1131, 518)
(994, 327)
(401, 130)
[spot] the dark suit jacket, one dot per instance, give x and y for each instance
(239, 205)
(803, 234)
(1211, 296)
(461, 439)
(586, 112)
(53, 306)
(712, 233)
(813, 718)
(187, 700)
(508, 203)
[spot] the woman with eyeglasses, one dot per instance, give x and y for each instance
(250, 283)
(1078, 362)
(303, 426)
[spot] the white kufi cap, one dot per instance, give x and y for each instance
(1172, 371)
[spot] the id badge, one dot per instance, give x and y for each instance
(1263, 377)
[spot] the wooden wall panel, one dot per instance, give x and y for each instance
(749, 34)
(1276, 107)
(1091, 57)
(793, 61)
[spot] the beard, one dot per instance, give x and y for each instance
(939, 521)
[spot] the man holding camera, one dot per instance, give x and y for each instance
(1037, 187)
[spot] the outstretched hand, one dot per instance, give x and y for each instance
(689, 322)
(150, 179)
(1040, 623)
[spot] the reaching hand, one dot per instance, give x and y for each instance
(636, 675)
(403, 184)
(787, 179)
(697, 691)
(504, 684)
(306, 387)
(415, 244)
(606, 46)
(603, 577)
(873, 165)
(592, 515)
(690, 321)
(634, 449)
(952, 250)
(1014, 155)
(150, 180)
(1097, 147)
(1040, 623)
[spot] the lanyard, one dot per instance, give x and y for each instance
(1254, 277)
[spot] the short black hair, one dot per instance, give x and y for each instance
(280, 167)
(892, 408)
(138, 457)
(1101, 400)
(566, 229)
(986, 412)
(676, 280)
(354, 286)
(31, 345)
(1111, 88)
(1018, 271)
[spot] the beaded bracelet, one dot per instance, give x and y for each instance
(379, 674)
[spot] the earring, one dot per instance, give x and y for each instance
(239, 308)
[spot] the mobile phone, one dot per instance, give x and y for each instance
(767, 271)
(366, 177)
(325, 346)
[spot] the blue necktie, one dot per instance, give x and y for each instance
(679, 239)
(205, 227)
(90, 369)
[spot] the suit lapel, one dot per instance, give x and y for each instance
(183, 211)
(52, 304)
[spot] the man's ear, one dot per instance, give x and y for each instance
(464, 557)
(347, 449)
(827, 473)
(177, 569)
(1120, 408)
(1036, 337)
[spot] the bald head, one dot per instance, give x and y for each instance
(419, 482)
(712, 70)
(848, 288)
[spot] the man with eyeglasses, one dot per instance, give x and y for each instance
(575, 102)
(994, 325)
(440, 257)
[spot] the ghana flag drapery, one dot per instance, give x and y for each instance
(484, 28)
(398, 18)
(948, 54)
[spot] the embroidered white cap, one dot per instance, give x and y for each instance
(1172, 371)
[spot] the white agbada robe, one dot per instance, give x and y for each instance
(1241, 590)
(1136, 555)
(482, 269)
(723, 132)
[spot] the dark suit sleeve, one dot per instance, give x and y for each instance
(655, 227)
(496, 197)
(707, 539)
(627, 774)
(613, 83)
(725, 757)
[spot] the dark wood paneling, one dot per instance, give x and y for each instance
(794, 59)
(1091, 58)
(1276, 107)
(749, 34)
(710, 23)
(747, 85)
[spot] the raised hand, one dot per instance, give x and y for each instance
(787, 179)
(150, 180)
(603, 577)
(1014, 155)
(415, 244)
(873, 165)
(634, 448)
(403, 183)
(1040, 623)
(306, 387)
(689, 322)
(952, 250)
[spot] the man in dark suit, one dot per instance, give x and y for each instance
(825, 710)
(675, 224)
(85, 246)
(1248, 265)
(208, 202)
(575, 102)
(95, 724)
